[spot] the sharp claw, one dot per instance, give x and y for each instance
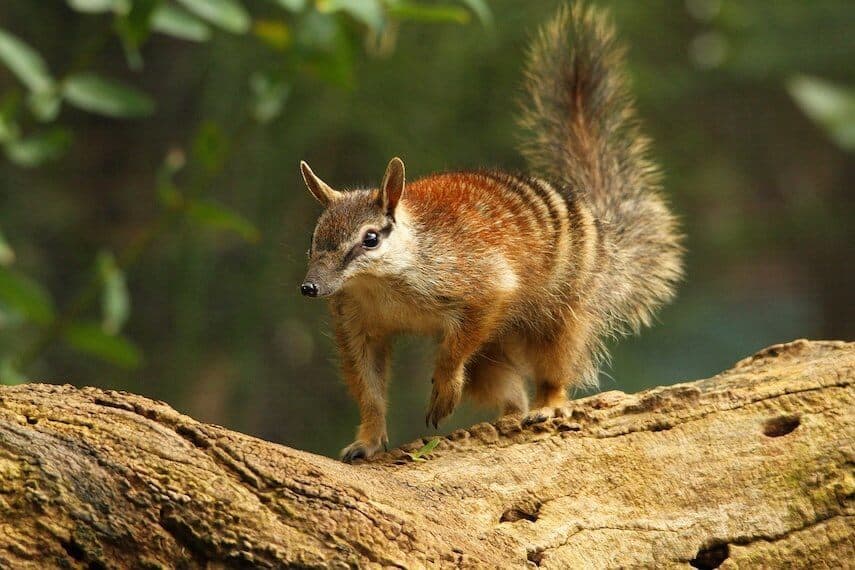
(352, 454)
(534, 418)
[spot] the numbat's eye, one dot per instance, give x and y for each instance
(371, 240)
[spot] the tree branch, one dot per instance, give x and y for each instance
(753, 466)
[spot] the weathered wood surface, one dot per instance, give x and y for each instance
(751, 468)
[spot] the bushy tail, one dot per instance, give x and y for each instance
(581, 127)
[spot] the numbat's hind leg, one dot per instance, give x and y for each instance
(493, 381)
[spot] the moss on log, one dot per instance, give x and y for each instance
(750, 468)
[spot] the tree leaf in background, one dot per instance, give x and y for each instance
(269, 94)
(115, 299)
(171, 21)
(7, 254)
(293, 5)
(229, 15)
(24, 62)
(429, 12)
(97, 6)
(9, 130)
(218, 217)
(9, 375)
(40, 148)
(45, 105)
(96, 94)
(369, 12)
(210, 146)
(830, 106)
(90, 339)
(273, 32)
(482, 10)
(26, 296)
(134, 27)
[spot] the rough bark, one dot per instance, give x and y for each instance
(751, 468)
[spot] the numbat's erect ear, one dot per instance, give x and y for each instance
(322, 191)
(392, 187)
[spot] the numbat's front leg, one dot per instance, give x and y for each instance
(448, 378)
(365, 364)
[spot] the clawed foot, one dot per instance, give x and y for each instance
(362, 449)
(442, 403)
(541, 415)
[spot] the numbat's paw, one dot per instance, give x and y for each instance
(540, 415)
(361, 450)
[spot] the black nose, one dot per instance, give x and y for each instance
(309, 289)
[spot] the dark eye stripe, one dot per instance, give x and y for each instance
(357, 249)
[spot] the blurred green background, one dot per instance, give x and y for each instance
(153, 224)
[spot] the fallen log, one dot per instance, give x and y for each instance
(750, 468)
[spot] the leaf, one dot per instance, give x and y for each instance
(830, 106)
(229, 15)
(9, 130)
(96, 94)
(218, 217)
(273, 32)
(45, 105)
(210, 146)
(90, 339)
(9, 375)
(429, 12)
(38, 149)
(369, 12)
(482, 10)
(424, 450)
(134, 27)
(96, 6)
(115, 299)
(293, 5)
(7, 254)
(177, 23)
(26, 296)
(270, 94)
(24, 62)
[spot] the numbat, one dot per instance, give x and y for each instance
(517, 275)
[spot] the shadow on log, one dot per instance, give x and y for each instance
(751, 468)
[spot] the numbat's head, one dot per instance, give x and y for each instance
(359, 235)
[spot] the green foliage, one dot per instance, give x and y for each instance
(216, 216)
(172, 21)
(423, 451)
(429, 12)
(7, 254)
(115, 299)
(24, 62)
(369, 12)
(230, 15)
(25, 296)
(831, 106)
(325, 47)
(38, 148)
(91, 339)
(107, 97)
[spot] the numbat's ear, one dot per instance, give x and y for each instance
(322, 191)
(392, 187)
